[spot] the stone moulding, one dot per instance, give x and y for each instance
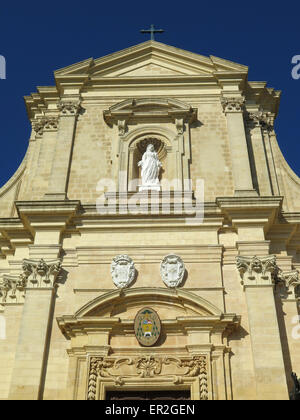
(147, 367)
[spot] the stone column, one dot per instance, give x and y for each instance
(38, 280)
(258, 275)
(233, 108)
(58, 182)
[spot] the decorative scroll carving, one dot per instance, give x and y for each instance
(232, 104)
(99, 368)
(147, 367)
(68, 108)
(257, 270)
(123, 271)
(172, 270)
(38, 273)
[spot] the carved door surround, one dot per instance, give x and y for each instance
(195, 359)
(162, 119)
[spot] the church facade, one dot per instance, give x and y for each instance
(150, 238)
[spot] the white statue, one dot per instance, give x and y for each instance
(172, 270)
(122, 271)
(150, 169)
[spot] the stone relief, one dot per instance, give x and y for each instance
(172, 270)
(122, 271)
(147, 367)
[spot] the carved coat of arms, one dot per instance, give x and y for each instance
(147, 327)
(122, 271)
(172, 270)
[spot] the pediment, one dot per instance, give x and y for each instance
(149, 59)
(150, 108)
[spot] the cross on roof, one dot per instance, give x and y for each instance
(152, 31)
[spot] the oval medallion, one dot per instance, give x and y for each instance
(147, 327)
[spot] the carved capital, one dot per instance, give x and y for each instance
(257, 271)
(233, 105)
(262, 119)
(12, 290)
(40, 274)
(42, 124)
(289, 283)
(69, 108)
(122, 127)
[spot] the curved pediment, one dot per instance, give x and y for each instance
(181, 301)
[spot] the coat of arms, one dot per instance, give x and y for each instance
(147, 327)
(172, 270)
(122, 271)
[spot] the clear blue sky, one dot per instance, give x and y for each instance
(40, 37)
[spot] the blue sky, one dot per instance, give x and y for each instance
(40, 37)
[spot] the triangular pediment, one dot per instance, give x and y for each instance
(149, 59)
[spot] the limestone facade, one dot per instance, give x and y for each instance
(230, 326)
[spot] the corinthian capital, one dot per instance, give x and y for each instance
(257, 271)
(231, 105)
(290, 284)
(42, 124)
(39, 273)
(11, 290)
(69, 108)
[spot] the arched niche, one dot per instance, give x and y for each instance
(169, 147)
(136, 150)
(165, 119)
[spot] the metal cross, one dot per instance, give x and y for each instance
(152, 31)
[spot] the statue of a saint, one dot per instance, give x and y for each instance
(150, 169)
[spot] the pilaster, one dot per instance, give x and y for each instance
(58, 182)
(258, 276)
(233, 109)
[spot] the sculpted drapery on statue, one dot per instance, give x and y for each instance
(150, 165)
